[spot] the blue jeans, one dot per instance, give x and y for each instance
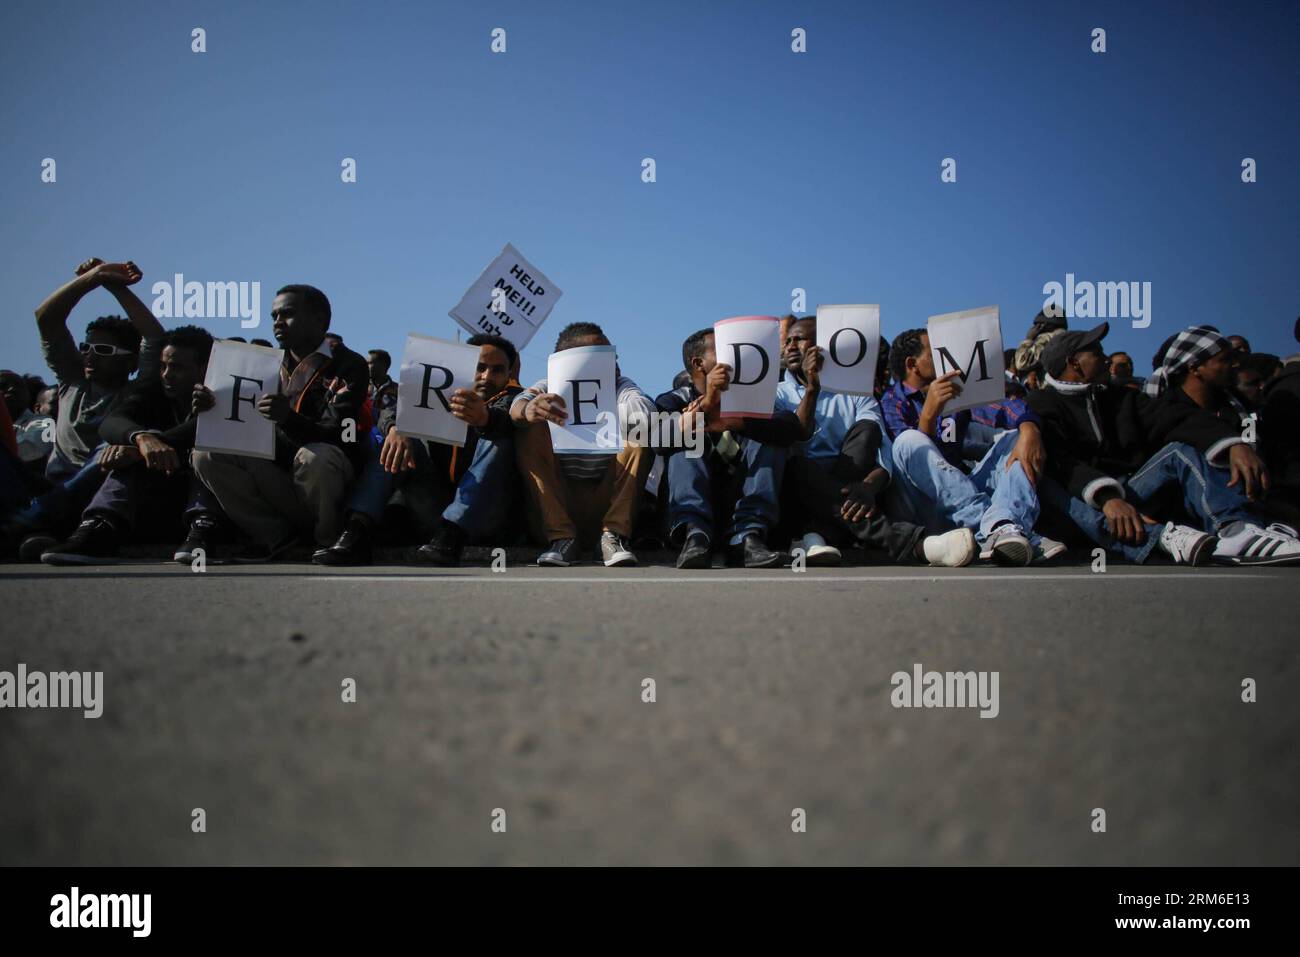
(59, 509)
(695, 485)
(1205, 493)
(485, 494)
(939, 496)
(373, 486)
(480, 503)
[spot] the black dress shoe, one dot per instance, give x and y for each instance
(752, 553)
(697, 552)
(446, 546)
(352, 548)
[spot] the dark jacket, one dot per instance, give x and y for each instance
(1177, 418)
(336, 390)
(1097, 436)
(1280, 426)
(146, 408)
(781, 429)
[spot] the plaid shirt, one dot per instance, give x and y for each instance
(902, 404)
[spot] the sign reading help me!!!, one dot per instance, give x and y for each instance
(511, 299)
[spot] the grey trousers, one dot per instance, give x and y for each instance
(269, 503)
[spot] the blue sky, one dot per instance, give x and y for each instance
(775, 170)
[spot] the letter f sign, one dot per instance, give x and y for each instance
(237, 398)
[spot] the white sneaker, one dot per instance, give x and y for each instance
(951, 549)
(1243, 543)
(1007, 545)
(1045, 549)
(1185, 545)
(817, 552)
(615, 551)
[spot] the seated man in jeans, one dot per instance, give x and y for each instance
(736, 482)
(92, 378)
(150, 488)
(835, 478)
(577, 499)
(460, 496)
(1102, 473)
(322, 399)
(934, 486)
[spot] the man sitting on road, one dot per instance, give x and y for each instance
(148, 487)
(91, 380)
(736, 483)
(934, 486)
(835, 476)
(1101, 472)
(577, 498)
(322, 398)
(460, 496)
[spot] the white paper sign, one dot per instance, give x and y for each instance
(433, 369)
(969, 342)
(585, 378)
(239, 375)
(511, 299)
(751, 345)
(849, 337)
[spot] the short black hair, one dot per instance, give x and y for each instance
(882, 361)
(694, 345)
(193, 338)
(315, 299)
(119, 329)
(1265, 363)
(260, 342)
(35, 384)
(501, 342)
(574, 331)
(236, 339)
(907, 345)
(383, 354)
(1119, 352)
(1245, 343)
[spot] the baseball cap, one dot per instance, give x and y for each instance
(1065, 344)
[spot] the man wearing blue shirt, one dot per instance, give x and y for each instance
(836, 475)
(932, 483)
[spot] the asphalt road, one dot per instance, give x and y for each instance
(523, 691)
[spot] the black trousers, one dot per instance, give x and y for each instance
(812, 498)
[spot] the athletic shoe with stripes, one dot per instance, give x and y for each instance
(1186, 545)
(1243, 543)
